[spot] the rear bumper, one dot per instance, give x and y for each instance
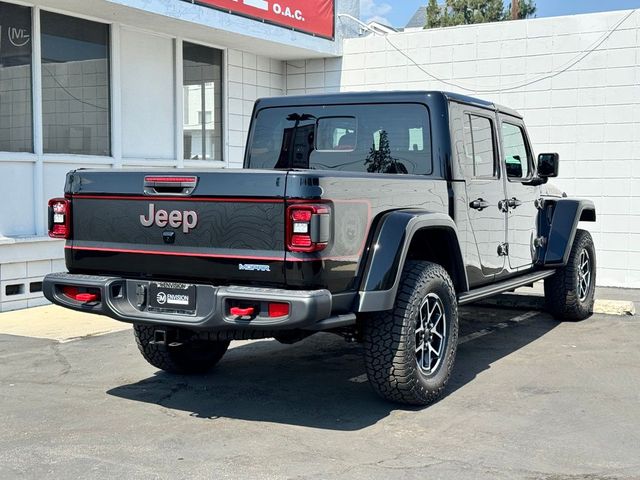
(126, 300)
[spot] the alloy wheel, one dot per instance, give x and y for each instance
(584, 275)
(431, 331)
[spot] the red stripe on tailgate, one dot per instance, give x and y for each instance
(174, 254)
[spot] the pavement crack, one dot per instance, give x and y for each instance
(55, 347)
(169, 395)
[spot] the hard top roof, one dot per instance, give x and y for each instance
(380, 97)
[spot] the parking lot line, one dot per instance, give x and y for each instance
(473, 336)
(499, 326)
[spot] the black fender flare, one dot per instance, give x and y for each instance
(388, 252)
(567, 212)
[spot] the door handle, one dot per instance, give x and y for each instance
(514, 202)
(479, 204)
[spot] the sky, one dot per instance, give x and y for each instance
(398, 12)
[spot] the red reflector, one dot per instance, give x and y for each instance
(58, 231)
(300, 241)
(242, 312)
(301, 215)
(278, 309)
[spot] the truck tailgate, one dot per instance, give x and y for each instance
(228, 227)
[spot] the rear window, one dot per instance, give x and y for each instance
(383, 138)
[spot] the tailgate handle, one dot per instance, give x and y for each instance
(169, 185)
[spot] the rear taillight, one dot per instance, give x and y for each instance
(308, 227)
(59, 218)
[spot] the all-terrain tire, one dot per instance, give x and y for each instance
(390, 338)
(563, 297)
(193, 356)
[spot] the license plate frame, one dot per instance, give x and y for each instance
(172, 297)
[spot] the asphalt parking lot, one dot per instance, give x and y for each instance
(530, 398)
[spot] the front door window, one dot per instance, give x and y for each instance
(515, 152)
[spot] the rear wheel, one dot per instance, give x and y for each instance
(188, 355)
(570, 292)
(410, 350)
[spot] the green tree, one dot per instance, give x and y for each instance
(527, 9)
(380, 159)
(434, 15)
(466, 12)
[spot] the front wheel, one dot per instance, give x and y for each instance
(570, 292)
(410, 350)
(190, 355)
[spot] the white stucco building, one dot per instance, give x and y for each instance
(171, 84)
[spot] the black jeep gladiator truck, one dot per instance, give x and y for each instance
(369, 215)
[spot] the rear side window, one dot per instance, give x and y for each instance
(382, 138)
(479, 146)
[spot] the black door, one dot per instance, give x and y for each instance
(520, 197)
(485, 190)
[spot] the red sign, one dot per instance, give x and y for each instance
(310, 16)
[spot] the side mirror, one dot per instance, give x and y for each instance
(548, 165)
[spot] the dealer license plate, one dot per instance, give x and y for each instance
(172, 296)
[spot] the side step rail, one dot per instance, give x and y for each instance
(504, 286)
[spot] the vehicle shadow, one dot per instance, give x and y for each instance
(505, 336)
(306, 384)
(318, 383)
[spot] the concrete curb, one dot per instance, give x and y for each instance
(56, 323)
(536, 302)
(614, 307)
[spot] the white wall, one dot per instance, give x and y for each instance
(590, 114)
(249, 77)
(148, 93)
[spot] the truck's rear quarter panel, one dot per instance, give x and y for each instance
(357, 201)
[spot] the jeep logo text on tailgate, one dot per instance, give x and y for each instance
(188, 219)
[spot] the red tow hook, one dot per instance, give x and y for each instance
(242, 312)
(86, 297)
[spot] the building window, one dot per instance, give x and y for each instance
(75, 85)
(16, 130)
(202, 90)
(208, 118)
